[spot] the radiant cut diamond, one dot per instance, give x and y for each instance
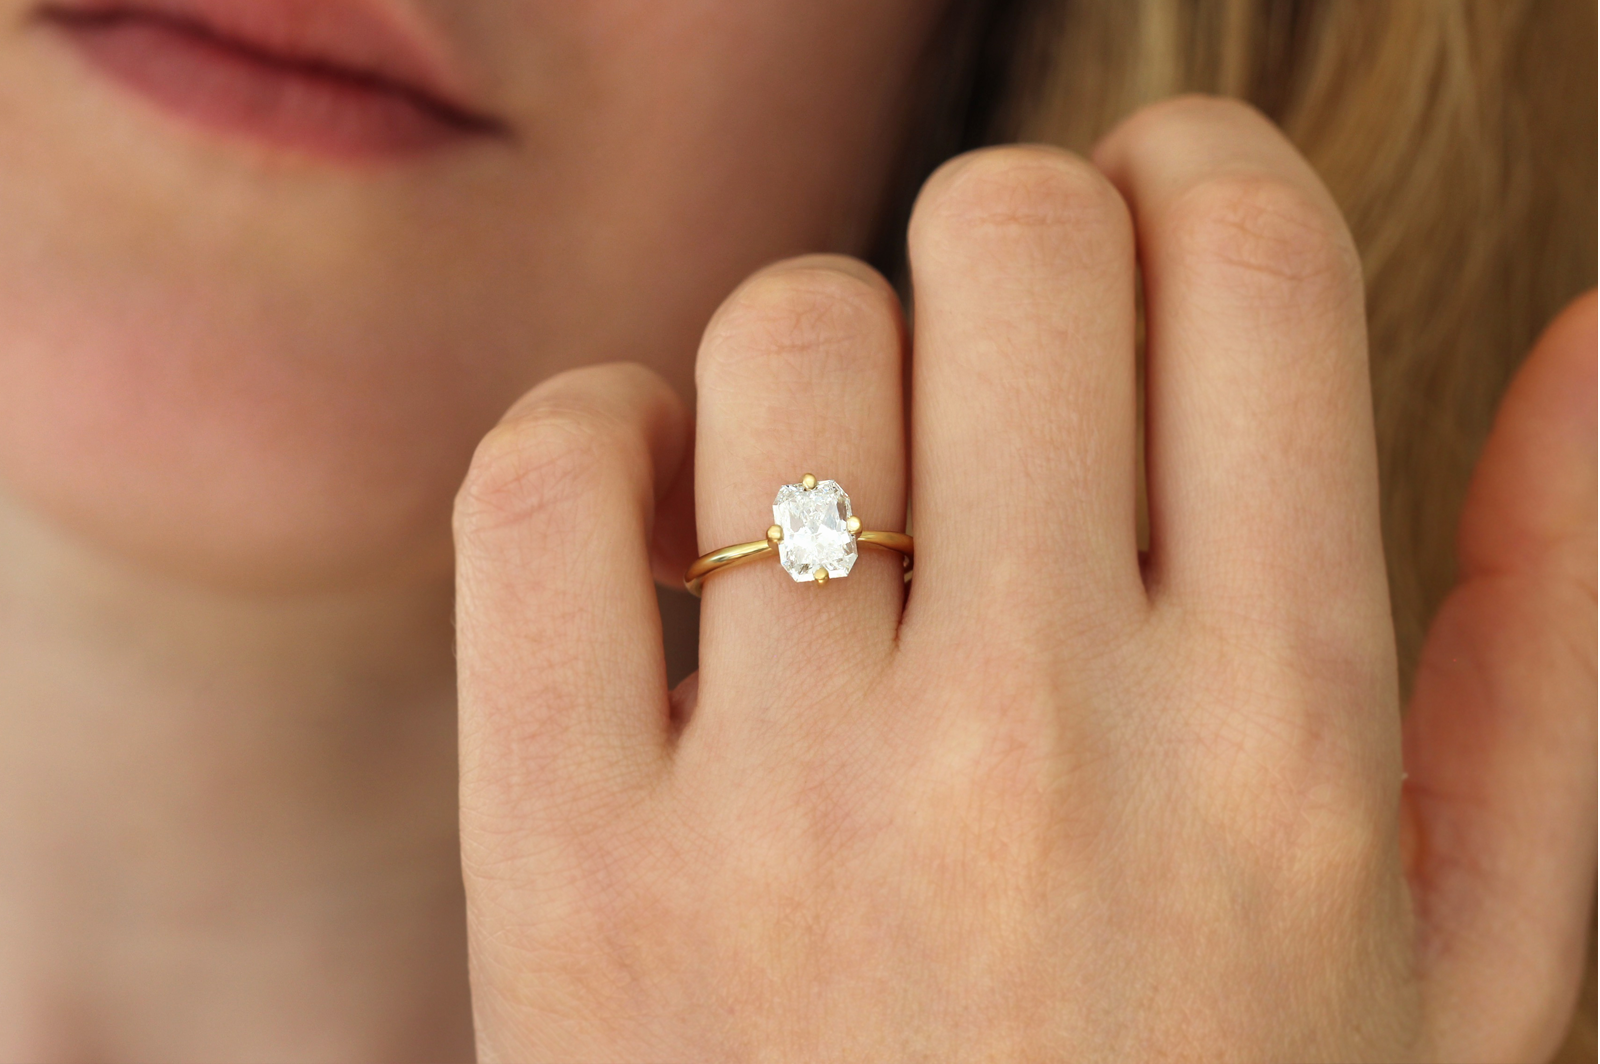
(814, 533)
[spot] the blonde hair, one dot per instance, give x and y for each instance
(1458, 136)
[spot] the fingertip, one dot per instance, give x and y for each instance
(1563, 365)
(1533, 494)
(1576, 322)
(1559, 376)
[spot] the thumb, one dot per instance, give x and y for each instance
(1500, 740)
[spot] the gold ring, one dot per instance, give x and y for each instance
(813, 534)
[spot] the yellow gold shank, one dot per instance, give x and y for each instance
(740, 553)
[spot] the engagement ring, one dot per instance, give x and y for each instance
(813, 533)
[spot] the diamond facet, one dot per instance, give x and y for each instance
(814, 534)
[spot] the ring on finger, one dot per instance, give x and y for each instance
(814, 535)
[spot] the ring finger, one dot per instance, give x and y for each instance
(799, 372)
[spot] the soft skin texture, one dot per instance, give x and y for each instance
(269, 369)
(240, 385)
(1058, 800)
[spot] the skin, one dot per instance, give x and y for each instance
(241, 387)
(241, 391)
(1058, 800)
(644, 159)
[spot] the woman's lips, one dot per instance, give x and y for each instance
(331, 77)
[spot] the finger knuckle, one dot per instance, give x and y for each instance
(1150, 130)
(1282, 780)
(1268, 241)
(540, 462)
(803, 322)
(1016, 744)
(1309, 847)
(1017, 189)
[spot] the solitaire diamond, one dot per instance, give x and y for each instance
(815, 533)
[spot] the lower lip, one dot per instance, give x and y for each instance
(232, 91)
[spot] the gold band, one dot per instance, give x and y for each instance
(740, 553)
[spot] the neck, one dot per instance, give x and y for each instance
(233, 807)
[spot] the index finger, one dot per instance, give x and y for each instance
(561, 670)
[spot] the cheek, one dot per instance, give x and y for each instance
(728, 126)
(273, 380)
(233, 451)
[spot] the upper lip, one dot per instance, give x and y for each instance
(364, 41)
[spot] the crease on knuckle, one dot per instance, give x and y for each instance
(1271, 243)
(1158, 130)
(1283, 780)
(1023, 188)
(798, 325)
(1559, 563)
(540, 463)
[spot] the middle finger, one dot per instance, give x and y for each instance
(1023, 389)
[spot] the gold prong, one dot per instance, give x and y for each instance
(821, 577)
(852, 524)
(808, 482)
(775, 534)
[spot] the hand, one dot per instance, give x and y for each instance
(1058, 801)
